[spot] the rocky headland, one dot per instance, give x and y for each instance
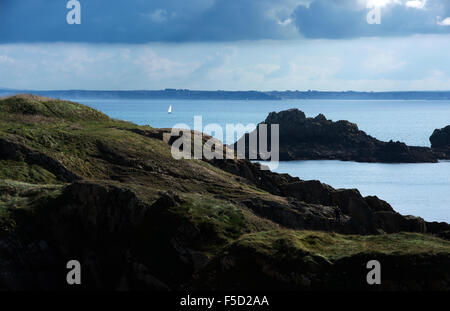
(75, 184)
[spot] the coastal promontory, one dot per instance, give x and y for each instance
(76, 184)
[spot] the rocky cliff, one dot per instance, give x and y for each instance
(440, 142)
(318, 138)
(75, 184)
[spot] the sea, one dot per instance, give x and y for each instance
(412, 189)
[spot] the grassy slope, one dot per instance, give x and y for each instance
(96, 148)
(336, 246)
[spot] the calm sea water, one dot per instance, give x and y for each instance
(412, 189)
(417, 189)
(409, 121)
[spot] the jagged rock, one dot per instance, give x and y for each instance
(440, 142)
(167, 199)
(316, 209)
(441, 138)
(359, 215)
(303, 138)
(377, 204)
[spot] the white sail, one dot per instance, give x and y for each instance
(170, 109)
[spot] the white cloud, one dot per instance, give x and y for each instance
(6, 59)
(267, 68)
(444, 22)
(125, 54)
(382, 62)
(380, 3)
(416, 4)
(361, 64)
(285, 22)
(162, 67)
(158, 16)
(434, 80)
(315, 68)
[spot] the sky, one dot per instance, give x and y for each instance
(226, 44)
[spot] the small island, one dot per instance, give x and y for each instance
(318, 138)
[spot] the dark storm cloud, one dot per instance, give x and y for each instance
(348, 19)
(140, 21)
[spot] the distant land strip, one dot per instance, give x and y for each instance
(234, 95)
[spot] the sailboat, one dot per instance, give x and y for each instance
(170, 109)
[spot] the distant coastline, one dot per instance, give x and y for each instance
(234, 95)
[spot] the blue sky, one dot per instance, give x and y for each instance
(226, 44)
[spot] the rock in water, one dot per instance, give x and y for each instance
(303, 138)
(441, 138)
(440, 142)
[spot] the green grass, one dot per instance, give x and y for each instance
(49, 108)
(333, 246)
(74, 134)
(19, 196)
(220, 222)
(74, 142)
(21, 171)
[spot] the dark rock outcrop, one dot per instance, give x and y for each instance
(440, 142)
(257, 270)
(303, 138)
(111, 232)
(317, 206)
(313, 205)
(441, 138)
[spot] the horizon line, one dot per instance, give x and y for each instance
(218, 90)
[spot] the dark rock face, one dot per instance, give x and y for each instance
(258, 271)
(109, 230)
(440, 142)
(303, 138)
(441, 138)
(124, 243)
(313, 205)
(316, 206)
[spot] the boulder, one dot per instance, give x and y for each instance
(440, 142)
(441, 138)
